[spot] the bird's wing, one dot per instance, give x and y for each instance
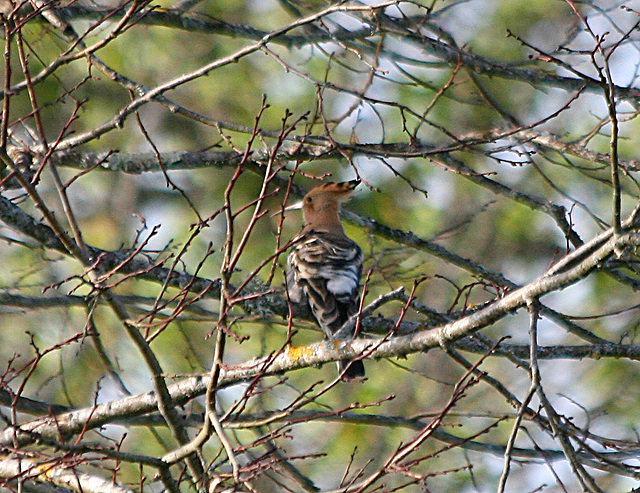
(324, 271)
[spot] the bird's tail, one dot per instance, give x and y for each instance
(354, 370)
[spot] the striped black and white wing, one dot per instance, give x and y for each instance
(324, 272)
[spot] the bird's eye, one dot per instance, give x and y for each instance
(309, 199)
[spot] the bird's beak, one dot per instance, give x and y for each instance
(292, 207)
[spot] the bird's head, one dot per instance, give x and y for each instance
(322, 204)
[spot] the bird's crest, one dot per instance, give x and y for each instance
(339, 192)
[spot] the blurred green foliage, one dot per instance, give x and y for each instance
(356, 91)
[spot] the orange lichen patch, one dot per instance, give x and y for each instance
(45, 470)
(297, 353)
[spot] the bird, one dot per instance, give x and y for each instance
(325, 266)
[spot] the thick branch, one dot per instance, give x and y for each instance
(323, 352)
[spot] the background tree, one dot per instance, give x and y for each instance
(147, 343)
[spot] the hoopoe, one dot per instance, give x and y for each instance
(325, 265)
